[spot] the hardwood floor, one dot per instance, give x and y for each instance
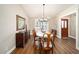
(62, 46)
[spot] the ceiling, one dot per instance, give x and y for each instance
(50, 10)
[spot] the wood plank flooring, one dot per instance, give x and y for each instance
(62, 46)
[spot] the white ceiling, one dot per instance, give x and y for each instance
(50, 10)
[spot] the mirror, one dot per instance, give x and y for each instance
(20, 22)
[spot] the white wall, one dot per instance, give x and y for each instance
(77, 29)
(52, 24)
(31, 24)
(72, 26)
(8, 26)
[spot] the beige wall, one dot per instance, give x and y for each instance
(8, 26)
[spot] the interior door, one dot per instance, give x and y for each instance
(64, 28)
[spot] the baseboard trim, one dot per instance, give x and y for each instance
(72, 37)
(58, 37)
(77, 48)
(11, 50)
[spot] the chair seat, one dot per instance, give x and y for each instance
(45, 45)
(36, 38)
(37, 44)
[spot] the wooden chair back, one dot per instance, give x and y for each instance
(34, 35)
(47, 39)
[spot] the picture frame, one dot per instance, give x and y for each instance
(20, 23)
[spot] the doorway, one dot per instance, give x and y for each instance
(68, 26)
(64, 28)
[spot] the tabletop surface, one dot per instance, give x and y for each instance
(40, 34)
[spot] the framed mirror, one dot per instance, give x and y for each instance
(20, 23)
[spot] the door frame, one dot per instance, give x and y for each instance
(64, 28)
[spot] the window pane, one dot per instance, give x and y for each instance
(62, 24)
(65, 24)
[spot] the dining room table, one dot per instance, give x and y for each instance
(40, 35)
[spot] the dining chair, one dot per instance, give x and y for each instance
(53, 36)
(36, 41)
(47, 44)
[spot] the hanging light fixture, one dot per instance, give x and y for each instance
(43, 12)
(44, 19)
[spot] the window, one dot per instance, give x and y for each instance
(42, 24)
(65, 24)
(62, 24)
